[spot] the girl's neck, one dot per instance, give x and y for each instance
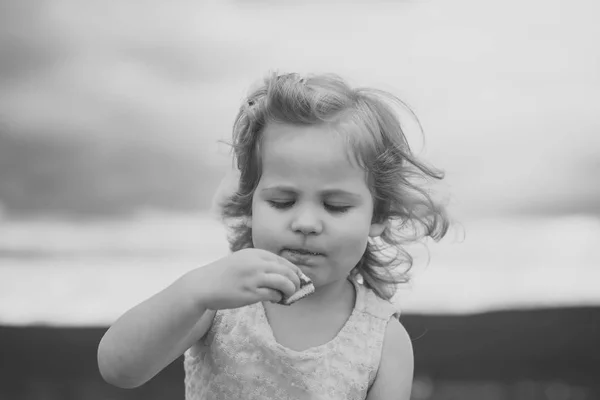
(336, 294)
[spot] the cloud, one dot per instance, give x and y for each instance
(508, 98)
(51, 175)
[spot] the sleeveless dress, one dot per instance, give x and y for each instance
(239, 357)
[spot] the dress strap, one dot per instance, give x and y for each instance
(368, 302)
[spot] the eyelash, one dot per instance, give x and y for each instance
(282, 205)
(337, 209)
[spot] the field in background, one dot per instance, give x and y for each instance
(549, 354)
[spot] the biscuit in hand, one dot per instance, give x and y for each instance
(306, 288)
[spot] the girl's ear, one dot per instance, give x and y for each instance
(378, 228)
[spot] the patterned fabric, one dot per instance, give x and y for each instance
(239, 357)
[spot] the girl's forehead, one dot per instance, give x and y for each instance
(308, 144)
(316, 155)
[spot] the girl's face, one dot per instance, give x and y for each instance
(312, 205)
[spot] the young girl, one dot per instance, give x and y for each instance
(327, 190)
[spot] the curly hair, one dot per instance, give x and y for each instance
(365, 117)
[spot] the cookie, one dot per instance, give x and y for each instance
(306, 288)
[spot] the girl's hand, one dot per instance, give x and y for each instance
(247, 277)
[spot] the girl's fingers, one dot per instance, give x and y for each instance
(272, 295)
(290, 270)
(278, 282)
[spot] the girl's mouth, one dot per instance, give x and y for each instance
(303, 252)
(301, 256)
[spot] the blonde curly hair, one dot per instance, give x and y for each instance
(396, 177)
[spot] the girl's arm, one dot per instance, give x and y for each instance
(395, 374)
(153, 334)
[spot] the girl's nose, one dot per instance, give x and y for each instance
(307, 223)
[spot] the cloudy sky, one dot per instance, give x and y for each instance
(113, 110)
(106, 108)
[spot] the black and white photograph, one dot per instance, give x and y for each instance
(297, 200)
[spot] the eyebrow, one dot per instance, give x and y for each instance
(328, 192)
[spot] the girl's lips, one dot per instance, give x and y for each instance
(303, 251)
(297, 257)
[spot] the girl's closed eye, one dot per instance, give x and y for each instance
(337, 208)
(280, 204)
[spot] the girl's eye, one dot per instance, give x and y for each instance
(336, 209)
(280, 204)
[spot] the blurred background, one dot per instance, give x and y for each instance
(110, 120)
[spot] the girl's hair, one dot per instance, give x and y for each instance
(366, 119)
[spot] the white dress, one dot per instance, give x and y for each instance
(239, 357)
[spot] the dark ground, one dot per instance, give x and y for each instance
(527, 354)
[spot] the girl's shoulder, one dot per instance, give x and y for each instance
(371, 304)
